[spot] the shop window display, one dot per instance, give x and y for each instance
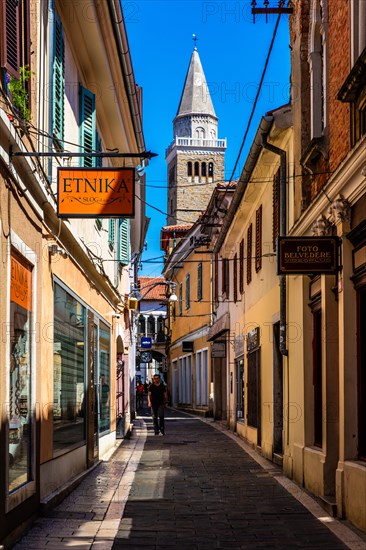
(20, 373)
(68, 372)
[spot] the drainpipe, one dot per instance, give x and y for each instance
(283, 215)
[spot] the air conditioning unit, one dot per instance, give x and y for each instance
(133, 303)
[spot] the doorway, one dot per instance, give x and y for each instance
(277, 392)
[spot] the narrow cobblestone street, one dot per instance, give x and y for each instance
(199, 487)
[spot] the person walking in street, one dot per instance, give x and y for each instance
(140, 395)
(157, 397)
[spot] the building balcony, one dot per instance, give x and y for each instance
(199, 143)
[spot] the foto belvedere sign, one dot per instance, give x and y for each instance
(96, 193)
(307, 255)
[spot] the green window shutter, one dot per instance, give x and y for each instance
(58, 88)
(124, 241)
(111, 233)
(98, 148)
(87, 126)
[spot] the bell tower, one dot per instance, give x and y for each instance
(195, 158)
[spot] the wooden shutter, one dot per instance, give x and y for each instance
(235, 278)
(276, 210)
(199, 281)
(216, 278)
(87, 126)
(180, 308)
(58, 95)
(124, 241)
(188, 291)
(258, 239)
(249, 253)
(10, 47)
(241, 267)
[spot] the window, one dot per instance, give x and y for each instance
(249, 253)
(196, 168)
(68, 372)
(276, 210)
(199, 281)
(204, 169)
(358, 33)
(317, 377)
(200, 132)
(235, 278)
(58, 84)
(210, 170)
(104, 378)
(124, 241)
(15, 46)
(317, 58)
(254, 404)
(225, 278)
(241, 266)
(151, 326)
(216, 278)
(180, 303)
(87, 126)
(258, 239)
(361, 333)
(353, 91)
(188, 291)
(20, 375)
(141, 325)
(111, 233)
(201, 378)
(189, 169)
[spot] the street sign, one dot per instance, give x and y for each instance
(146, 342)
(145, 356)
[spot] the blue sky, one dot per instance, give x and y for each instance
(232, 51)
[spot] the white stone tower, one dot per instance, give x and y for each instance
(195, 158)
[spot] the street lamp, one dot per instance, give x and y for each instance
(136, 294)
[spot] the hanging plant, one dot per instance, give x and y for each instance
(19, 94)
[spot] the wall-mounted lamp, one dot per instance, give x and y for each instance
(54, 249)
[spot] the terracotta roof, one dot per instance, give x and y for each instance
(177, 227)
(151, 292)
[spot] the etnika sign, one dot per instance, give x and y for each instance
(307, 255)
(96, 193)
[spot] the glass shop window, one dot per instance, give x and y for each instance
(68, 372)
(20, 375)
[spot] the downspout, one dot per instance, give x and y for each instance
(283, 216)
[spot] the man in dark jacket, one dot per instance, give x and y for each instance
(157, 397)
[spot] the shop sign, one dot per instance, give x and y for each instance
(21, 284)
(146, 342)
(253, 339)
(307, 255)
(218, 350)
(96, 193)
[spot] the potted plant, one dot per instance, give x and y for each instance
(19, 94)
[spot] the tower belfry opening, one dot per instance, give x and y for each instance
(195, 157)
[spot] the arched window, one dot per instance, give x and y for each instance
(196, 168)
(142, 325)
(151, 326)
(204, 169)
(210, 170)
(317, 60)
(200, 132)
(189, 169)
